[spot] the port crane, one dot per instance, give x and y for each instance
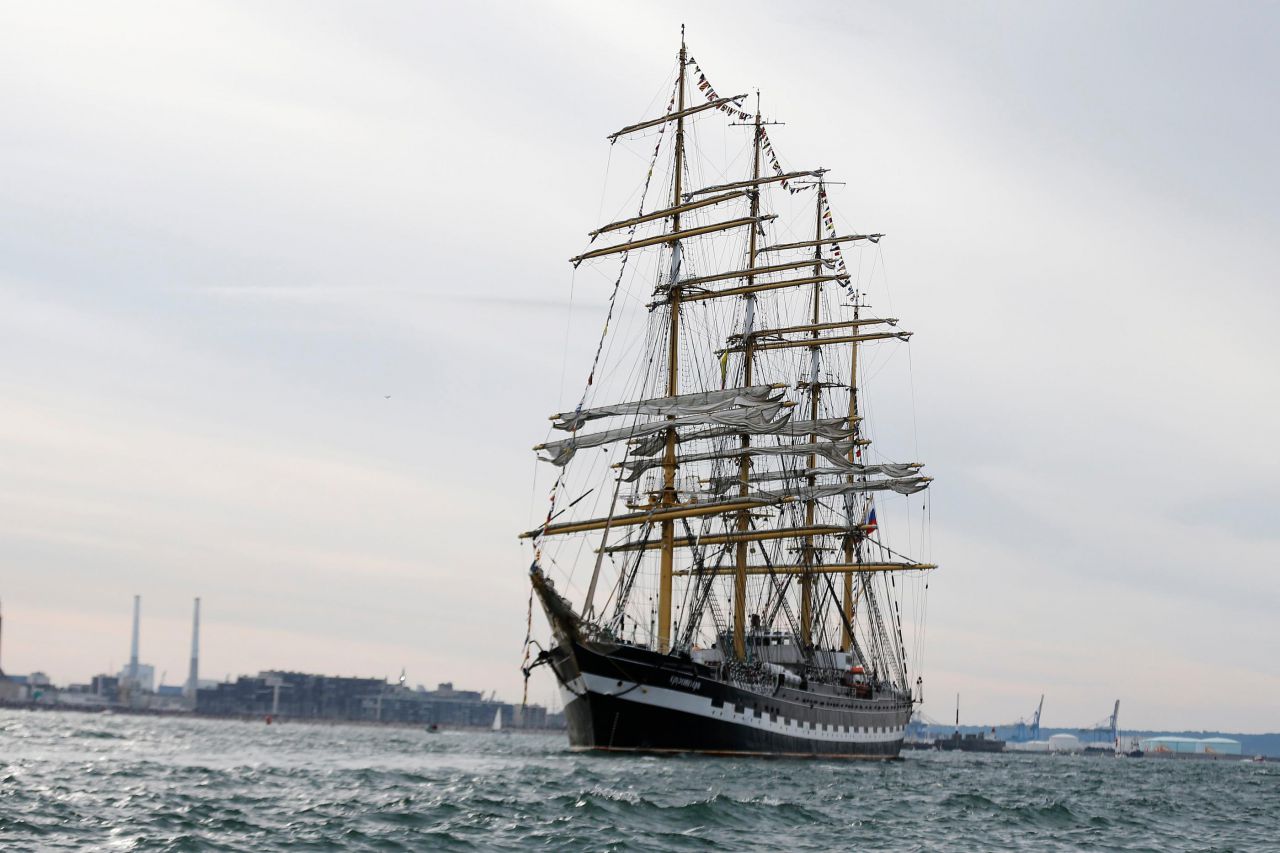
(922, 727)
(1108, 726)
(1022, 732)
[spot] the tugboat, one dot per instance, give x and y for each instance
(735, 592)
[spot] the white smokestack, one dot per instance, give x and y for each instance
(193, 675)
(133, 647)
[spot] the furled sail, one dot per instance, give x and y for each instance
(832, 428)
(684, 404)
(765, 417)
(825, 241)
(835, 452)
(722, 484)
(906, 486)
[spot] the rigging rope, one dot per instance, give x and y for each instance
(604, 332)
(528, 638)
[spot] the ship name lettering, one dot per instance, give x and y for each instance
(681, 681)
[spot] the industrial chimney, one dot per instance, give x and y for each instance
(193, 675)
(133, 646)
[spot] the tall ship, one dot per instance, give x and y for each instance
(711, 564)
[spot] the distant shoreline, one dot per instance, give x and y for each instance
(276, 719)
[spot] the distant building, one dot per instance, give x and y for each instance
(300, 695)
(1218, 745)
(291, 694)
(35, 687)
(1169, 745)
(146, 680)
(288, 695)
(107, 686)
(13, 689)
(1064, 743)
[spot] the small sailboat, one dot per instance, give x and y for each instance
(497, 723)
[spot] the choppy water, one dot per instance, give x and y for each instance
(79, 781)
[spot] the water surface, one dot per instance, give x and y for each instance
(95, 782)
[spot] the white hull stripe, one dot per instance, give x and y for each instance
(675, 700)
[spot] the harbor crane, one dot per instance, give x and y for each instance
(1022, 732)
(1104, 728)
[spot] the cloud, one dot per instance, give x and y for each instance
(227, 237)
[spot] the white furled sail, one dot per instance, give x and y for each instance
(701, 403)
(758, 418)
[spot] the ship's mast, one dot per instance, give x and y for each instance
(815, 391)
(744, 465)
(673, 376)
(849, 542)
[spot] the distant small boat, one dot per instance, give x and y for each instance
(497, 723)
(433, 729)
(971, 742)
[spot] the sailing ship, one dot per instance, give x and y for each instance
(714, 488)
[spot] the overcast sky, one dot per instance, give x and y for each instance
(229, 231)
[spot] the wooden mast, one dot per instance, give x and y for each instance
(849, 546)
(806, 578)
(744, 464)
(673, 378)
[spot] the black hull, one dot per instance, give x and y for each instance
(631, 699)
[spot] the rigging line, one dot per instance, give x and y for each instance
(703, 587)
(533, 489)
(608, 164)
(911, 379)
(820, 610)
(780, 588)
(613, 298)
(595, 572)
(902, 646)
(876, 541)
(884, 272)
(626, 580)
(528, 639)
(568, 326)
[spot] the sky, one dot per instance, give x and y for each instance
(284, 302)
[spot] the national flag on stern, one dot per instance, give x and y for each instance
(870, 522)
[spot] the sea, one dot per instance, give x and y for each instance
(77, 781)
